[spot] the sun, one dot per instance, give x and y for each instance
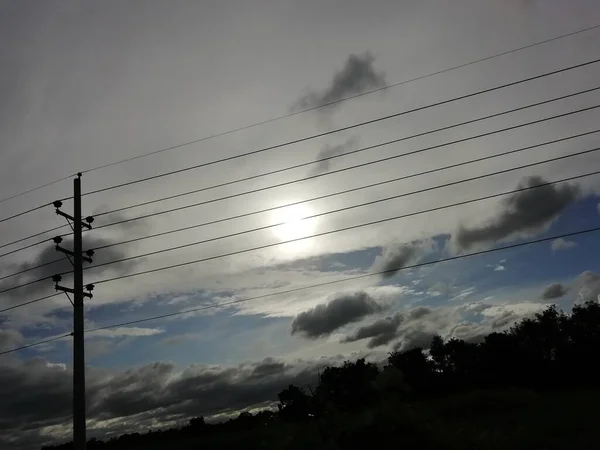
(294, 222)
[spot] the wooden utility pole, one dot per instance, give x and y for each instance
(79, 439)
(77, 223)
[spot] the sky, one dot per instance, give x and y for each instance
(85, 84)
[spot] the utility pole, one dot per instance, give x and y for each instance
(77, 224)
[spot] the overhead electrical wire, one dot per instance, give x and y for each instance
(30, 302)
(351, 152)
(310, 177)
(5, 219)
(345, 128)
(332, 172)
(326, 174)
(326, 133)
(239, 156)
(334, 102)
(452, 205)
(346, 191)
(343, 280)
(30, 237)
(315, 162)
(294, 113)
(326, 233)
(262, 247)
(321, 197)
(29, 269)
(312, 286)
(34, 344)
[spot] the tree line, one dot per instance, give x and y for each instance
(416, 393)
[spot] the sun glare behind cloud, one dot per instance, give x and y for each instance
(294, 226)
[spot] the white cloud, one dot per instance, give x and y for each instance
(464, 294)
(124, 332)
(562, 244)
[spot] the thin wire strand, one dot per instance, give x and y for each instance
(346, 191)
(29, 283)
(28, 303)
(45, 341)
(40, 187)
(309, 163)
(262, 247)
(69, 297)
(332, 172)
(5, 219)
(329, 158)
(319, 234)
(343, 280)
(347, 208)
(30, 237)
(445, 185)
(274, 119)
(362, 94)
(29, 269)
(346, 128)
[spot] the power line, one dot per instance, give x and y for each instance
(325, 134)
(27, 238)
(346, 191)
(5, 219)
(357, 277)
(262, 247)
(329, 158)
(29, 269)
(22, 285)
(41, 187)
(29, 302)
(347, 208)
(45, 341)
(274, 119)
(380, 183)
(325, 213)
(349, 127)
(328, 283)
(317, 175)
(310, 163)
(313, 176)
(332, 172)
(362, 94)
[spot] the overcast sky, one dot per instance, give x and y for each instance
(84, 84)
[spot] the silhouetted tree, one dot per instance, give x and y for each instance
(294, 404)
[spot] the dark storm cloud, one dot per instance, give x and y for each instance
(555, 290)
(329, 151)
(411, 328)
(524, 212)
(380, 332)
(9, 339)
(414, 339)
(396, 257)
(358, 75)
(49, 254)
(36, 393)
(33, 394)
(322, 320)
